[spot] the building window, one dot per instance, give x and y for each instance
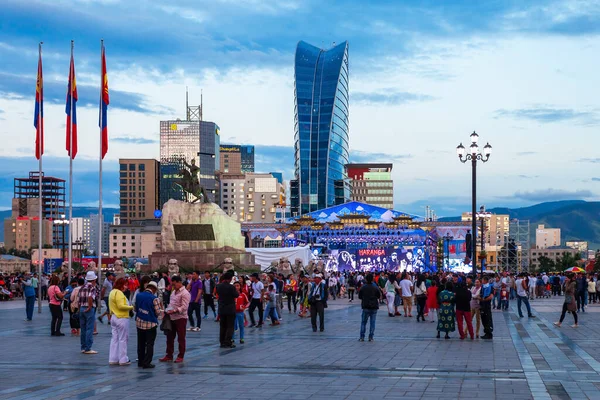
(132, 167)
(115, 251)
(114, 245)
(141, 167)
(124, 237)
(123, 167)
(124, 251)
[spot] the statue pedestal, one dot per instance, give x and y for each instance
(200, 236)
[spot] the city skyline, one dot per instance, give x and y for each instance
(422, 78)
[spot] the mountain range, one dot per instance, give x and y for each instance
(577, 219)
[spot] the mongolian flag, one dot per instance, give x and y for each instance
(104, 101)
(38, 118)
(71, 110)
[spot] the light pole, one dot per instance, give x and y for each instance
(447, 239)
(62, 221)
(483, 215)
(473, 155)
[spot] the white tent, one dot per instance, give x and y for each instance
(264, 256)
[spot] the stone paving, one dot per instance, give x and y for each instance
(528, 359)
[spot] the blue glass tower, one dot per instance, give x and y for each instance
(321, 126)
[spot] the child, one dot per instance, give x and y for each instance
(504, 293)
(271, 310)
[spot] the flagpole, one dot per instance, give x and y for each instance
(71, 171)
(40, 134)
(100, 219)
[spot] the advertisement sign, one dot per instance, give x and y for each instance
(396, 259)
(52, 264)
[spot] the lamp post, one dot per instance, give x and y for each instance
(62, 221)
(482, 217)
(473, 155)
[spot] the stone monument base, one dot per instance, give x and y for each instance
(202, 260)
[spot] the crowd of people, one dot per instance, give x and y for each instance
(177, 305)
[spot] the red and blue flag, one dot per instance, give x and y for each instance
(104, 101)
(71, 110)
(38, 118)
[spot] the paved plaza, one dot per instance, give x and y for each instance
(528, 359)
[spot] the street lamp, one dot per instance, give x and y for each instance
(473, 155)
(62, 222)
(447, 239)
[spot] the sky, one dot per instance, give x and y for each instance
(423, 76)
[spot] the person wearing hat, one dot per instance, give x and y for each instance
(87, 312)
(29, 293)
(316, 298)
(147, 312)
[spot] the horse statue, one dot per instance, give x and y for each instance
(190, 184)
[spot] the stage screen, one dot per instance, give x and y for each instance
(397, 259)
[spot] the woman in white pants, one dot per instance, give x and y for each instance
(119, 308)
(390, 294)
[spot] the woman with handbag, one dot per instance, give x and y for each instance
(570, 304)
(73, 301)
(55, 296)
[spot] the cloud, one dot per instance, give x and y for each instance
(595, 179)
(590, 160)
(133, 140)
(547, 115)
(388, 97)
(527, 153)
(357, 156)
(528, 176)
(544, 195)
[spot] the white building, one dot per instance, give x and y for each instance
(546, 237)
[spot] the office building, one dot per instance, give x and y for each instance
(22, 232)
(95, 233)
(372, 184)
(546, 237)
(136, 240)
(496, 227)
(53, 201)
(184, 141)
(81, 231)
(320, 126)
(251, 197)
(236, 159)
(139, 189)
(554, 253)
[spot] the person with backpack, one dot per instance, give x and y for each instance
(317, 298)
(73, 300)
(369, 294)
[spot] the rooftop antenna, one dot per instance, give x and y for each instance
(187, 107)
(201, 105)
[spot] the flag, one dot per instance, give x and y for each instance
(71, 111)
(38, 118)
(104, 101)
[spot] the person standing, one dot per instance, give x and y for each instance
(463, 310)
(581, 289)
(390, 294)
(195, 289)
(227, 293)
(87, 312)
(421, 295)
(487, 294)
(76, 284)
(591, 290)
(317, 298)
(147, 311)
(241, 304)
(332, 286)
(432, 300)
(29, 293)
(291, 288)
(522, 291)
(570, 303)
(369, 294)
(446, 322)
(120, 308)
(406, 286)
(257, 291)
(351, 287)
(179, 302)
(107, 287)
(476, 307)
(303, 295)
(208, 290)
(55, 297)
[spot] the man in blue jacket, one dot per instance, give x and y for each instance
(29, 292)
(147, 311)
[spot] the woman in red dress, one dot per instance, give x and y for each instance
(432, 300)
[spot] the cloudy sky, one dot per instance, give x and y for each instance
(423, 76)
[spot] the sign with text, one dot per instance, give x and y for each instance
(193, 232)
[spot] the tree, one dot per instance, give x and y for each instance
(546, 264)
(567, 260)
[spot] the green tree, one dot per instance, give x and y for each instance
(546, 264)
(567, 260)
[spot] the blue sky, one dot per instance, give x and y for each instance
(423, 75)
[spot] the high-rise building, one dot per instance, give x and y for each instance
(372, 184)
(546, 237)
(139, 189)
(95, 232)
(53, 201)
(320, 125)
(496, 227)
(81, 231)
(236, 159)
(189, 141)
(251, 197)
(21, 230)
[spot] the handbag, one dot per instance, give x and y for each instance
(166, 324)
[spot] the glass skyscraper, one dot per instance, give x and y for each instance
(321, 126)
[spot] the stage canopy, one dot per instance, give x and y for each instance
(264, 256)
(378, 214)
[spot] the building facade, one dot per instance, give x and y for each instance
(136, 240)
(251, 197)
(495, 227)
(96, 233)
(22, 233)
(320, 125)
(546, 237)
(188, 141)
(236, 159)
(139, 189)
(81, 231)
(552, 253)
(372, 184)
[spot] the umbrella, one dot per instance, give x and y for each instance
(575, 270)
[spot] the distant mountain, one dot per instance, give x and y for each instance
(107, 213)
(577, 219)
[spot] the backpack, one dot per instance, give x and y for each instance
(75, 299)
